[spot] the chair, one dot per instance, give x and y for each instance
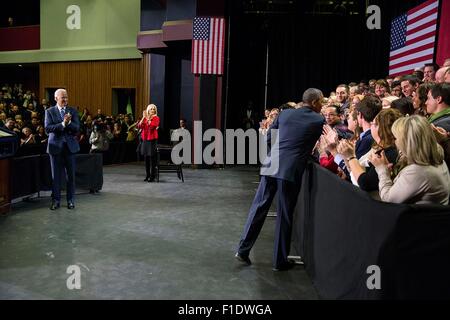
(167, 167)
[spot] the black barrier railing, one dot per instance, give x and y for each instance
(349, 242)
(32, 174)
(118, 152)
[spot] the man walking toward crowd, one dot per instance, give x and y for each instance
(298, 132)
(62, 125)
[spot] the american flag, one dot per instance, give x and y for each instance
(208, 45)
(413, 38)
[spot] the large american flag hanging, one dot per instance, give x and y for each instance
(413, 38)
(208, 45)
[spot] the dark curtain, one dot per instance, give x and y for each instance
(305, 50)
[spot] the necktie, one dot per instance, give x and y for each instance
(63, 112)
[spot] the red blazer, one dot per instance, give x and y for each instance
(149, 128)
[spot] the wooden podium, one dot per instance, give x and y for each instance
(5, 194)
(8, 147)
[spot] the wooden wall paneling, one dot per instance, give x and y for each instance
(90, 83)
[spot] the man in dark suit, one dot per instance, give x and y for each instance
(62, 125)
(367, 110)
(297, 134)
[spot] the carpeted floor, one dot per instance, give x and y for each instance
(138, 240)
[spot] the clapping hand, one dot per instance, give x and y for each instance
(330, 134)
(378, 159)
(440, 133)
(67, 118)
(346, 149)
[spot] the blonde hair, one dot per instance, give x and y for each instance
(152, 106)
(417, 142)
(390, 99)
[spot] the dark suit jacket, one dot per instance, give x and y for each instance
(363, 145)
(57, 134)
(298, 132)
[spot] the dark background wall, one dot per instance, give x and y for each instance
(153, 14)
(306, 49)
(24, 12)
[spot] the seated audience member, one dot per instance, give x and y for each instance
(99, 116)
(100, 138)
(438, 105)
(404, 105)
(424, 177)
(117, 133)
(420, 98)
(41, 136)
(28, 137)
(2, 119)
(396, 89)
(364, 175)
(387, 101)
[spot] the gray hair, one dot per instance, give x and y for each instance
(312, 94)
(57, 92)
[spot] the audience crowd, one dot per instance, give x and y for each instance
(390, 137)
(22, 113)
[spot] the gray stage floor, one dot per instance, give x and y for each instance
(138, 240)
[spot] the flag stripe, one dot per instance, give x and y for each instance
(221, 45)
(216, 48)
(426, 16)
(418, 49)
(425, 37)
(413, 59)
(423, 8)
(413, 46)
(422, 32)
(421, 24)
(410, 67)
(413, 37)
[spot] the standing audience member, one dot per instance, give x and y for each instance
(438, 105)
(420, 98)
(409, 85)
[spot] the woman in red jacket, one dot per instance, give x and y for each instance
(149, 136)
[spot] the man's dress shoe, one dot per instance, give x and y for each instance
(55, 205)
(244, 259)
(285, 266)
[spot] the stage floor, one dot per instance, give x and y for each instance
(139, 240)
